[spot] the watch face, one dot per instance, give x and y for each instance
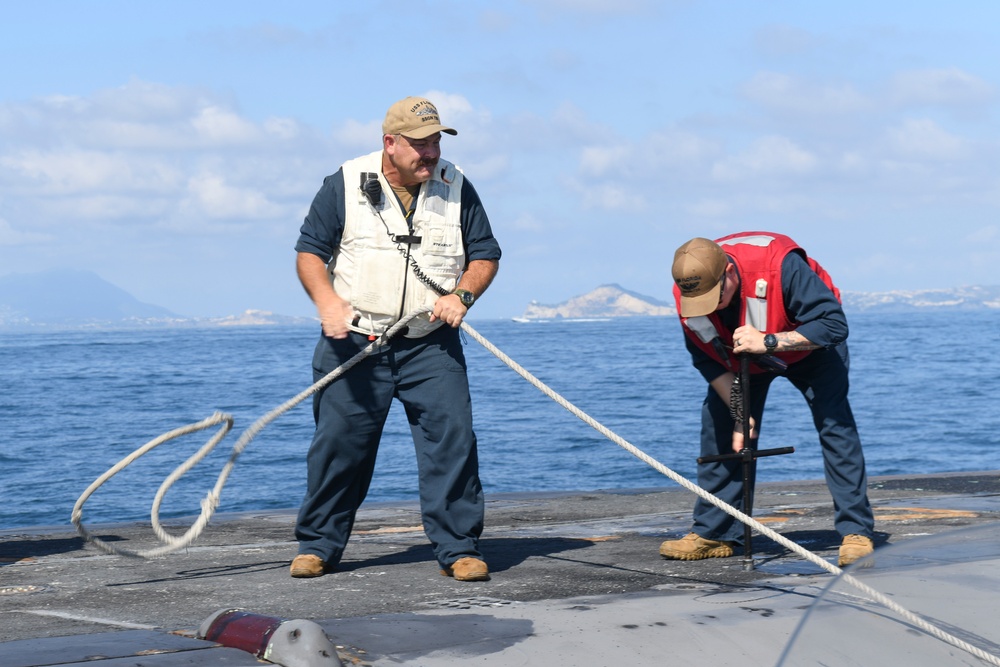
(468, 298)
(770, 341)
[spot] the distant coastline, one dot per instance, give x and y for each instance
(82, 300)
(613, 301)
(249, 318)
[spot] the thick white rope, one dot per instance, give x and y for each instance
(211, 501)
(729, 509)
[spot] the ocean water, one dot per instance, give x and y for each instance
(74, 403)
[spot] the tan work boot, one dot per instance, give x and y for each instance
(467, 569)
(854, 547)
(695, 547)
(307, 565)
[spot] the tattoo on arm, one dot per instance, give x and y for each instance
(792, 340)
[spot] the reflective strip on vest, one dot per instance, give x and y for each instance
(702, 327)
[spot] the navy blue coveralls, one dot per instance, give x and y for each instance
(428, 376)
(822, 378)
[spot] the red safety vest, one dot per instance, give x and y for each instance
(758, 257)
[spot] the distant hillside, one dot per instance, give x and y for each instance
(974, 297)
(77, 299)
(605, 301)
(615, 301)
(66, 297)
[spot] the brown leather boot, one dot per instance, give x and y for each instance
(467, 569)
(305, 566)
(853, 548)
(695, 547)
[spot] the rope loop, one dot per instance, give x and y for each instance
(211, 501)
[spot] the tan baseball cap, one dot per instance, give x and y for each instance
(698, 268)
(414, 118)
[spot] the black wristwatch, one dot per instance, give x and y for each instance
(467, 297)
(771, 343)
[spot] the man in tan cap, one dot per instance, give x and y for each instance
(759, 294)
(392, 233)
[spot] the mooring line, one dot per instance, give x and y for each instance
(211, 501)
(873, 594)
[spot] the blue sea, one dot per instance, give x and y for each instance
(74, 403)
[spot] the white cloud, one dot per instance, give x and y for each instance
(64, 103)
(153, 153)
(568, 119)
(710, 208)
(598, 7)
(611, 196)
(95, 211)
(987, 236)
(598, 161)
(212, 196)
(137, 116)
(360, 136)
(923, 139)
(789, 94)
(449, 105)
(107, 133)
(485, 167)
(148, 102)
(766, 157)
(784, 40)
(67, 172)
(678, 151)
(9, 236)
(282, 128)
(940, 87)
(215, 125)
(527, 222)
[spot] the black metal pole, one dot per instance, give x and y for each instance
(748, 461)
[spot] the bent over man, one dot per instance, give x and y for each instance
(388, 234)
(759, 293)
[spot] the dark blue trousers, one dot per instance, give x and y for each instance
(822, 378)
(428, 376)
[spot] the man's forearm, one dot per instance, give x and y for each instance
(723, 386)
(313, 276)
(478, 275)
(789, 341)
(334, 313)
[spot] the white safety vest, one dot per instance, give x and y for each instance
(371, 270)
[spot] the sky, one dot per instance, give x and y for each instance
(174, 148)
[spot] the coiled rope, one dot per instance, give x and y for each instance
(211, 500)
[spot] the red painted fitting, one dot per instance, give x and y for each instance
(240, 629)
(290, 643)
